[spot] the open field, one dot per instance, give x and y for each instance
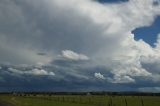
(80, 100)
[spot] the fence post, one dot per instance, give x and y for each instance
(126, 102)
(89, 100)
(142, 102)
(63, 98)
(80, 99)
(110, 102)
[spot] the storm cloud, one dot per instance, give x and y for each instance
(75, 41)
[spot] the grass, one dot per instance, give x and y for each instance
(63, 100)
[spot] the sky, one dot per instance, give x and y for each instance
(80, 45)
(112, 1)
(152, 31)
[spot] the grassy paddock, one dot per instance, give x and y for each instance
(78, 100)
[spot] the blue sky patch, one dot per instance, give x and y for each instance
(148, 34)
(111, 1)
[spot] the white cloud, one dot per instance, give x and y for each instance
(99, 76)
(68, 54)
(40, 72)
(15, 71)
(122, 79)
(36, 72)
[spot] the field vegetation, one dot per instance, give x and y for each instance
(79, 100)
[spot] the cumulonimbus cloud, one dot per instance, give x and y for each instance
(81, 30)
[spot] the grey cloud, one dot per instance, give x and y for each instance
(150, 89)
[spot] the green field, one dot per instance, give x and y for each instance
(70, 100)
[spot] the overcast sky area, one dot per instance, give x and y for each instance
(80, 45)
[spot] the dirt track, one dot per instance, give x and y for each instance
(5, 104)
